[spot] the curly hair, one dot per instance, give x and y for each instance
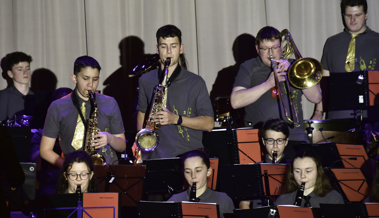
(322, 185)
(76, 157)
(16, 57)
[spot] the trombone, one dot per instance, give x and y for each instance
(304, 73)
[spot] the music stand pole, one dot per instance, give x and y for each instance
(267, 188)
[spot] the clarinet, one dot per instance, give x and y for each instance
(274, 157)
(193, 197)
(299, 195)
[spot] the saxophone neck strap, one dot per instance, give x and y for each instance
(75, 101)
(173, 75)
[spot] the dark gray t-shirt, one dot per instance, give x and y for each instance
(366, 51)
(333, 197)
(62, 116)
(12, 103)
(187, 96)
(225, 203)
(254, 72)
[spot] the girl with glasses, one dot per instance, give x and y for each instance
(78, 169)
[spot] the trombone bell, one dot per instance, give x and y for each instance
(305, 73)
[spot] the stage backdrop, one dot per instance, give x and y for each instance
(217, 35)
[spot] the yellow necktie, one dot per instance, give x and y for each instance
(350, 58)
(77, 141)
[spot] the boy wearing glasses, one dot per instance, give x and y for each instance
(255, 79)
(275, 134)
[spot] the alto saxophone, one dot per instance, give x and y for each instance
(147, 139)
(98, 159)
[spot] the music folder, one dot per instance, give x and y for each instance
(199, 209)
(291, 211)
(344, 210)
(97, 204)
(171, 209)
(351, 182)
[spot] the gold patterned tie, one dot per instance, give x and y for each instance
(350, 58)
(77, 141)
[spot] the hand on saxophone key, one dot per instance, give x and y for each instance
(101, 140)
(166, 117)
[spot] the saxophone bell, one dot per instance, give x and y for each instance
(147, 139)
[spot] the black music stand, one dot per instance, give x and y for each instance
(164, 177)
(64, 205)
(21, 141)
(221, 143)
(241, 182)
(125, 179)
(343, 210)
(257, 212)
(159, 209)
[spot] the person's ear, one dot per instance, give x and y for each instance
(209, 172)
(10, 74)
(91, 175)
(263, 141)
(181, 49)
(65, 175)
(73, 78)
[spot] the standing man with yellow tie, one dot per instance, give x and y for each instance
(354, 49)
(67, 117)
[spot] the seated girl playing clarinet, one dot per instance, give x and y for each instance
(307, 184)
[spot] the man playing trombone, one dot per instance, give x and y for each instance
(253, 85)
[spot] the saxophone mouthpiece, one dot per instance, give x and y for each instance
(167, 61)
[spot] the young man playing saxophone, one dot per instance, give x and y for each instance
(64, 118)
(188, 110)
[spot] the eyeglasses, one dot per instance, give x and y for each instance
(278, 141)
(74, 176)
(274, 49)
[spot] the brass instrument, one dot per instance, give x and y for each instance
(299, 195)
(150, 62)
(98, 159)
(303, 73)
(274, 157)
(147, 139)
(193, 197)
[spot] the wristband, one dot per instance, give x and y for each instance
(179, 120)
